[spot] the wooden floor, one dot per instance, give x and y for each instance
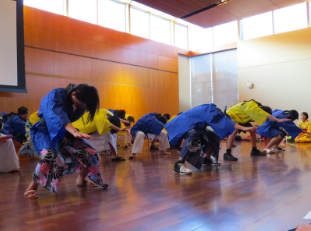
(264, 193)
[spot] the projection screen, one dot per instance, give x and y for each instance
(12, 61)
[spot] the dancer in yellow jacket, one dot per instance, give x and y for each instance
(101, 129)
(242, 114)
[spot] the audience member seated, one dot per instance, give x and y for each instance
(4, 116)
(304, 124)
(15, 126)
(9, 161)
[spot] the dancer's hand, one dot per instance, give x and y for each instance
(81, 135)
(246, 129)
(3, 139)
(123, 129)
(283, 120)
(249, 129)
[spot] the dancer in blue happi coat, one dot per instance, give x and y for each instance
(277, 131)
(61, 147)
(150, 125)
(192, 126)
(15, 125)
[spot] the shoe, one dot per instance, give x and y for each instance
(256, 152)
(214, 161)
(126, 147)
(179, 149)
(153, 148)
(181, 168)
(207, 161)
(268, 151)
(228, 156)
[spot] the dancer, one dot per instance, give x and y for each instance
(150, 125)
(15, 125)
(191, 126)
(276, 130)
(242, 114)
(101, 130)
(61, 147)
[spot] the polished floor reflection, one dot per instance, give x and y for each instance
(263, 193)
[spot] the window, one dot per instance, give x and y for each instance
(290, 18)
(225, 79)
(201, 81)
(54, 6)
(257, 26)
(160, 29)
(139, 23)
(200, 38)
(83, 10)
(214, 79)
(111, 14)
(181, 36)
(226, 33)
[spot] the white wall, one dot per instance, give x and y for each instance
(184, 83)
(8, 49)
(280, 68)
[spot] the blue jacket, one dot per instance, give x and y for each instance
(198, 118)
(54, 113)
(15, 126)
(3, 114)
(270, 127)
(147, 124)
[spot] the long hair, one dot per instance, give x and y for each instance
(86, 94)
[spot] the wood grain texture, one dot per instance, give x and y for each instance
(262, 193)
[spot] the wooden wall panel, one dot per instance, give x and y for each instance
(72, 66)
(107, 71)
(174, 81)
(39, 61)
(27, 35)
(168, 64)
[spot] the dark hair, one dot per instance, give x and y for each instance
(218, 109)
(167, 116)
(86, 94)
(22, 110)
(116, 122)
(157, 114)
(131, 119)
(179, 113)
(162, 119)
(293, 114)
(305, 114)
(120, 114)
(267, 109)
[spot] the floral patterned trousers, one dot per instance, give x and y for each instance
(73, 154)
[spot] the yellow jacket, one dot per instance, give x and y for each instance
(34, 118)
(244, 112)
(100, 123)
